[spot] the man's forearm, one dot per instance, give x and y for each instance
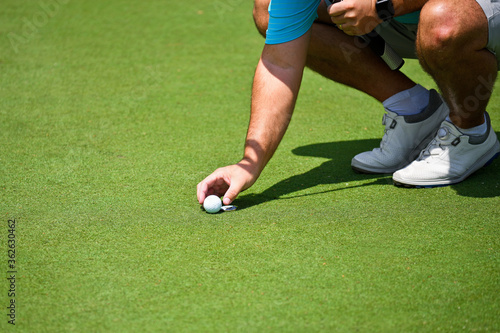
(272, 107)
(275, 89)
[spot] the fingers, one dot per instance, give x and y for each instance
(233, 191)
(337, 13)
(228, 182)
(337, 10)
(354, 17)
(202, 191)
(213, 184)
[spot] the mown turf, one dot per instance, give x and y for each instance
(113, 111)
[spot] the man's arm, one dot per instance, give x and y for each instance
(274, 93)
(359, 17)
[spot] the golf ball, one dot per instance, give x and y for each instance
(212, 204)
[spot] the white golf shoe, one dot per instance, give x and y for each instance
(450, 158)
(404, 138)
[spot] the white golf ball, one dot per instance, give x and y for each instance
(212, 204)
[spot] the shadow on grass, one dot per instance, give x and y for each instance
(336, 170)
(485, 183)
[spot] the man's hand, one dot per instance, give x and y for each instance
(228, 182)
(355, 17)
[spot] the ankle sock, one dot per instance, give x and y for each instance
(474, 131)
(408, 102)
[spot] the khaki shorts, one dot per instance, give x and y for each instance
(402, 36)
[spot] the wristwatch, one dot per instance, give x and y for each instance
(385, 9)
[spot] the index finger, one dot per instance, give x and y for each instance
(202, 188)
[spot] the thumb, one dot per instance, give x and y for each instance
(231, 193)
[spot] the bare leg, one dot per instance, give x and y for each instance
(343, 58)
(451, 42)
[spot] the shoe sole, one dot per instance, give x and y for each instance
(491, 155)
(370, 172)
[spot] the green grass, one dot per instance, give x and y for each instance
(111, 113)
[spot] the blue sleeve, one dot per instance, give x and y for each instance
(290, 19)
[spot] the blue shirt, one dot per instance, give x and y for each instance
(290, 19)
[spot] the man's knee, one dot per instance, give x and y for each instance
(446, 24)
(261, 15)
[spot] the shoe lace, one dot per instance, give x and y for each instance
(385, 118)
(440, 142)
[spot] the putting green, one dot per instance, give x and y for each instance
(111, 113)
